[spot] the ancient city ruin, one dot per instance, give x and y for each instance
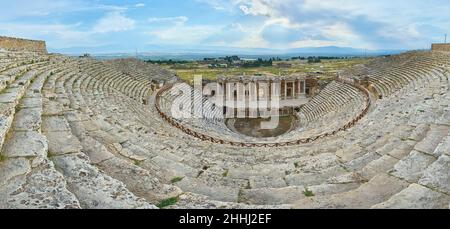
(83, 133)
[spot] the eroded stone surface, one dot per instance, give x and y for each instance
(438, 175)
(93, 189)
(26, 144)
(416, 197)
(41, 187)
(412, 167)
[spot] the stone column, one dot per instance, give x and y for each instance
(285, 89)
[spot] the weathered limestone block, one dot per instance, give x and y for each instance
(412, 167)
(220, 193)
(197, 201)
(438, 175)
(381, 165)
(314, 178)
(28, 119)
(60, 143)
(175, 169)
(13, 167)
(419, 132)
(271, 196)
(416, 197)
(139, 181)
(96, 151)
(432, 140)
(329, 189)
(361, 162)
(35, 102)
(377, 190)
(264, 181)
(26, 144)
(42, 187)
(55, 123)
(94, 189)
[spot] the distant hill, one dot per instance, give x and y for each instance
(195, 53)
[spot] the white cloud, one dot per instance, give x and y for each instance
(139, 5)
(182, 35)
(176, 20)
(114, 22)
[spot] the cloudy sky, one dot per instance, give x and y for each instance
(275, 24)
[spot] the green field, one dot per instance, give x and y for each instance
(188, 71)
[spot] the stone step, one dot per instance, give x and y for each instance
(139, 181)
(197, 201)
(432, 140)
(437, 175)
(94, 189)
(379, 189)
(411, 168)
(416, 197)
(33, 184)
(217, 192)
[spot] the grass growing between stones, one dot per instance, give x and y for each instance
(168, 202)
(308, 193)
(225, 174)
(176, 180)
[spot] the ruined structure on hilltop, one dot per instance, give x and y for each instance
(18, 44)
(441, 47)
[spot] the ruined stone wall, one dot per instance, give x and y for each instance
(17, 44)
(440, 47)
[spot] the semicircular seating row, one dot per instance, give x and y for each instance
(75, 134)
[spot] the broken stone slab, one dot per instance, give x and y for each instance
(196, 201)
(401, 152)
(26, 144)
(277, 171)
(349, 154)
(264, 181)
(96, 151)
(419, 132)
(412, 167)
(28, 119)
(434, 137)
(316, 163)
(139, 181)
(272, 196)
(329, 189)
(130, 155)
(60, 143)
(52, 108)
(55, 124)
(12, 167)
(11, 95)
(35, 102)
(347, 178)
(173, 168)
(94, 189)
(42, 188)
(314, 178)
(361, 162)
(380, 165)
(379, 189)
(416, 197)
(437, 176)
